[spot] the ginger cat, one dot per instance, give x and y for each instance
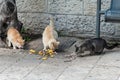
(14, 38)
(50, 36)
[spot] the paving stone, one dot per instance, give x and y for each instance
(20, 65)
(9, 57)
(104, 73)
(74, 72)
(48, 70)
(86, 62)
(22, 68)
(6, 77)
(111, 58)
(119, 78)
(79, 68)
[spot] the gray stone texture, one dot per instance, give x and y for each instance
(29, 6)
(72, 17)
(65, 6)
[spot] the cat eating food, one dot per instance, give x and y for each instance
(95, 46)
(14, 38)
(50, 37)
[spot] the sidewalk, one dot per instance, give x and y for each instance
(20, 65)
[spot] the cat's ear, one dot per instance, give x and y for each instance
(23, 40)
(76, 46)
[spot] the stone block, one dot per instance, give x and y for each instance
(48, 70)
(79, 25)
(60, 22)
(74, 73)
(72, 17)
(111, 58)
(107, 28)
(65, 6)
(103, 73)
(105, 4)
(34, 21)
(31, 5)
(90, 7)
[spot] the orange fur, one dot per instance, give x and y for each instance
(50, 36)
(14, 38)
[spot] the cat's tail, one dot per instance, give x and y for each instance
(112, 46)
(65, 44)
(51, 22)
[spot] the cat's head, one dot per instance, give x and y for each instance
(79, 49)
(20, 43)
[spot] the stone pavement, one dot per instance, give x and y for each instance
(20, 65)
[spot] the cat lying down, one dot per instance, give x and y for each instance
(95, 46)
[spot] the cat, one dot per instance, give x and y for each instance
(14, 38)
(8, 13)
(50, 37)
(95, 46)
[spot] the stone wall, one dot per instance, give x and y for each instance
(72, 17)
